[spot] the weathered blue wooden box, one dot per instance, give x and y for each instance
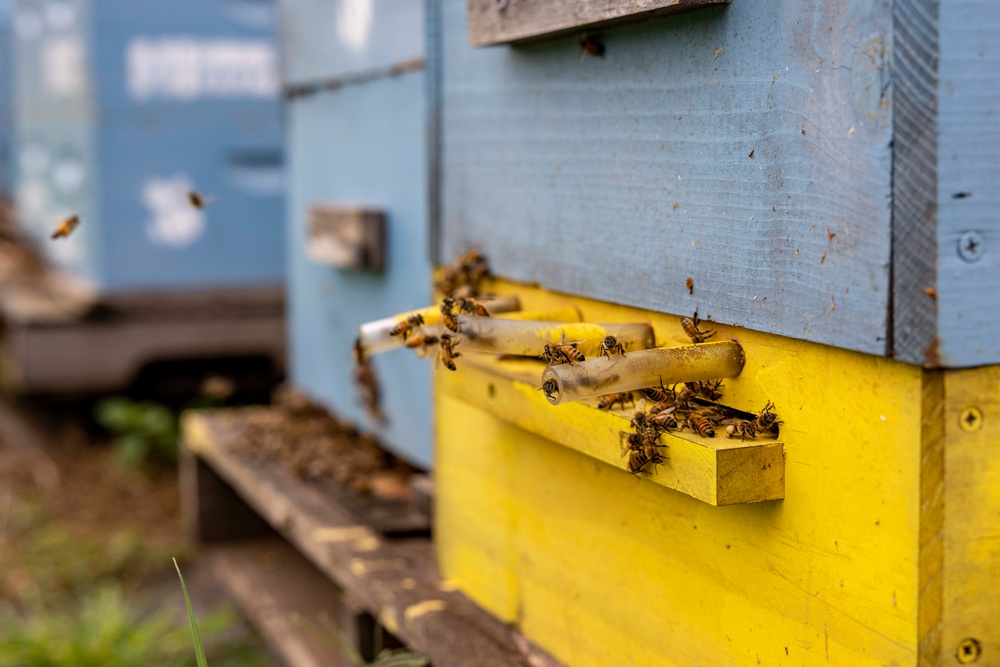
(6, 95)
(357, 137)
(824, 170)
(122, 106)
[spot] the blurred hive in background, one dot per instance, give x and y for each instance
(124, 107)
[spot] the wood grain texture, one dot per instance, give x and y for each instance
(718, 471)
(491, 22)
(932, 496)
(617, 178)
(395, 580)
(971, 538)
(289, 602)
(568, 548)
(968, 171)
(914, 181)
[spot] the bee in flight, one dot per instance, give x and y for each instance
(448, 353)
(694, 333)
(66, 227)
(198, 200)
(591, 45)
(610, 345)
(406, 327)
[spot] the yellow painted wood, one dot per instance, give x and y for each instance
(602, 568)
(719, 471)
(971, 535)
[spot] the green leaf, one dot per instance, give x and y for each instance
(132, 449)
(199, 650)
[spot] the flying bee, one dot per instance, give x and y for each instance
(609, 401)
(406, 327)
(66, 227)
(591, 46)
(694, 333)
(448, 353)
(767, 421)
(470, 306)
(740, 427)
(703, 425)
(448, 314)
(610, 345)
(198, 200)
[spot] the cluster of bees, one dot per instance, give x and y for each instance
(66, 226)
(566, 352)
(367, 383)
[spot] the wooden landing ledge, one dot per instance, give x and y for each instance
(718, 471)
(394, 579)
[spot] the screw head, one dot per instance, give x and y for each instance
(971, 419)
(971, 246)
(968, 651)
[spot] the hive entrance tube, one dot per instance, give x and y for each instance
(376, 336)
(527, 339)
(641, 369)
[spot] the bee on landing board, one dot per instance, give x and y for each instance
(66, 227)
(703, 425)
(690, 327)
(198, 200)
(406, 327)
(767, 421)
(659, 394)
(448, 353)
(611, 345)
(740, 427)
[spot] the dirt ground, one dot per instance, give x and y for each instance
(73, 520)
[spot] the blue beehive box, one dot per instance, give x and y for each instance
(122, 106)
(6, 90)
(357, 136)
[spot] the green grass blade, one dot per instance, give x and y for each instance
(199, 650)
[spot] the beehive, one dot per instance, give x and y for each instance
(821, 173)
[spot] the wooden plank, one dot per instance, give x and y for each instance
(932, 495)
(566, 171)
(394, 579)
(210, 510)
(499, 21)
(971, 538)
(914, 181)
(289, 602)
(568, 548)
(718, 471)
(968, 165)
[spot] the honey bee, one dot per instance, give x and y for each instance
(740, 427)
(448, 314)
(198, 200)
(406, 327)
(368, 389)
(471, 306)
(639, 419)
(551, 388)
(703, 425)
(659, 394)
(684, 395)
(591, 46)
(448, 353)
(694, 333)
(610, 345)
(767, 421)
(564, 352)
(689, 283)
(609, 401)
(421, 340)
(359, 352)
(66, 227)
(706, 389)
(664, 420)
(641, 457)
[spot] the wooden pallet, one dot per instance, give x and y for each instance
(393, 579)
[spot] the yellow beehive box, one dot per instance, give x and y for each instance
(868, 534)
